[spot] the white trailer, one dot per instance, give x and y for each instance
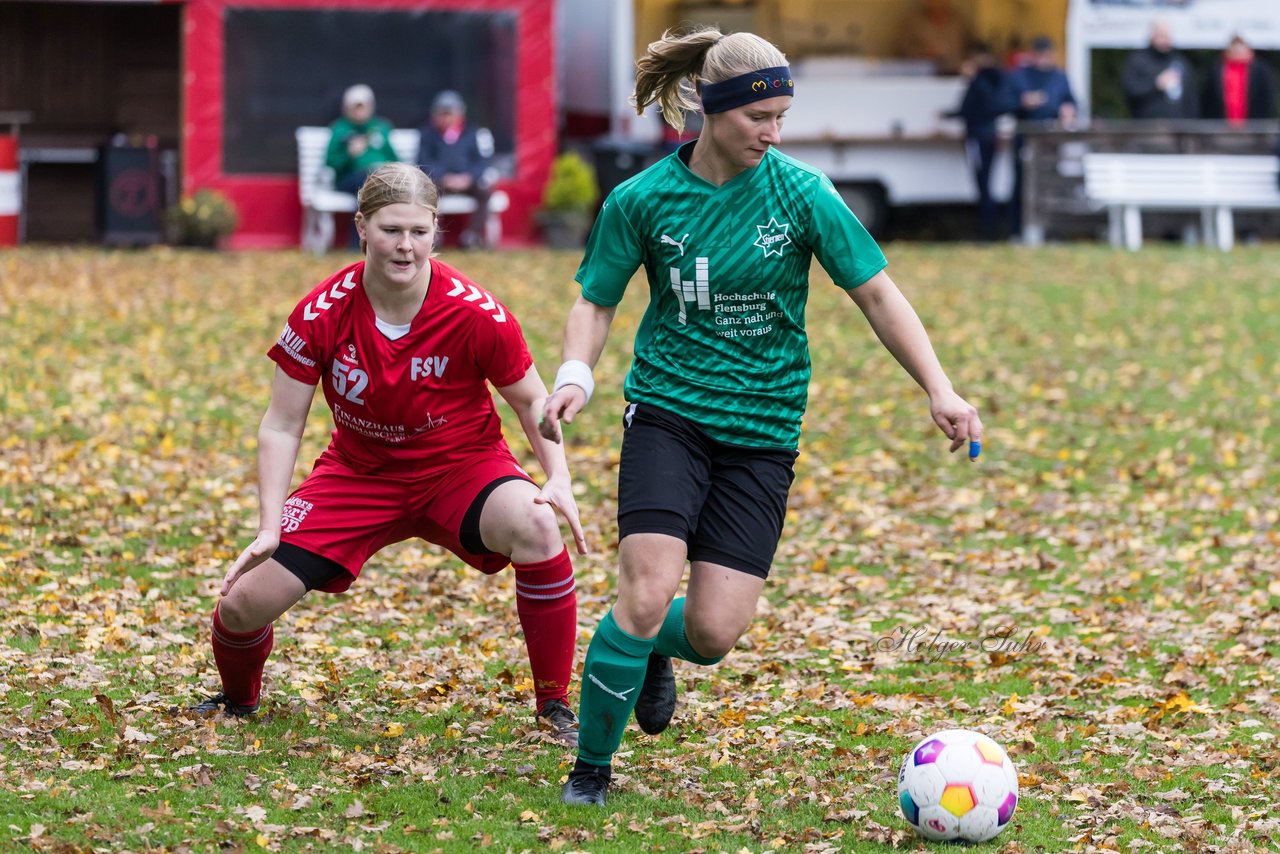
(874, 125)
(876, 128)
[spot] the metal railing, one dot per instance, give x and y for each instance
(1053, 198)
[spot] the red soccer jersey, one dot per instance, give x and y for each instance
(411, 404)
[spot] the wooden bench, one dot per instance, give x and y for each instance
(1213, 184)
(320, 201)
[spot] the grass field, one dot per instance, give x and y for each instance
(1101, 593)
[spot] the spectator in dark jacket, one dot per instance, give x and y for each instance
(1042, 93)
(459, 159)
(1239, 87)
(1158, 81)
(986, 98)
(1041, 87)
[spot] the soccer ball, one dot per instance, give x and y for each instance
(957, 785)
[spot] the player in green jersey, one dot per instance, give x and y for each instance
(726, 228)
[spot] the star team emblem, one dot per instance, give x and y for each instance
(773, 237)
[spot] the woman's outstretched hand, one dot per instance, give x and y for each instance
(562, 405)
(263, 547)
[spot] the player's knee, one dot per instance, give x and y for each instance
(538, 533)
(641, 609)
(237, 613)
(713, 641)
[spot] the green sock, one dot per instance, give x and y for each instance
(611, 679)
(671, 640)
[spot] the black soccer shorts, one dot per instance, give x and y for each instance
(726, 502)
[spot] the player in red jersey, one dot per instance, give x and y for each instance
(404, 347)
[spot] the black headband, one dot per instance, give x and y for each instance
(745, 88)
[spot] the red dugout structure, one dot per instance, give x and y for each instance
(253, 70)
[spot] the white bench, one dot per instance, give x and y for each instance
(1213, 184)
(320, 201)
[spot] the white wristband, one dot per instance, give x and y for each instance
(575, 372)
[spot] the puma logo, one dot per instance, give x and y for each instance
(605, 688)
(679, 244)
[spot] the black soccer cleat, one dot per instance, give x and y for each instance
(556, 716)
(219, 703)
(657, 701)
(586, 785)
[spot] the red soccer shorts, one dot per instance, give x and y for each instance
(347, 516)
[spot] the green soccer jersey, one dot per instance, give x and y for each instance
(723, 341)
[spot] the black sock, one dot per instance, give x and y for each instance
(586, 767)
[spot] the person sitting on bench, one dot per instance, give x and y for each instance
(459, 159)
(361, 141)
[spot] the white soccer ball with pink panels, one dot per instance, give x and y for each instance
(957, 786)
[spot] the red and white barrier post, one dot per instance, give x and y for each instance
(10, 191)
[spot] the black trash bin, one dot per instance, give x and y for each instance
(619, 159)
(130, 195)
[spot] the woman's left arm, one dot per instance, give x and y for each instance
(899, 328)
(526, 397)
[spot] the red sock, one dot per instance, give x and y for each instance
(548, 609)
(240, 658)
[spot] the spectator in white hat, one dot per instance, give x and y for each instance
(360, 143)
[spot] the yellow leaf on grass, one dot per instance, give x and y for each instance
(393, 730)
(1180, 702)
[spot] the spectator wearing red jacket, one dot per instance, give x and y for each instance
(1240, 87)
